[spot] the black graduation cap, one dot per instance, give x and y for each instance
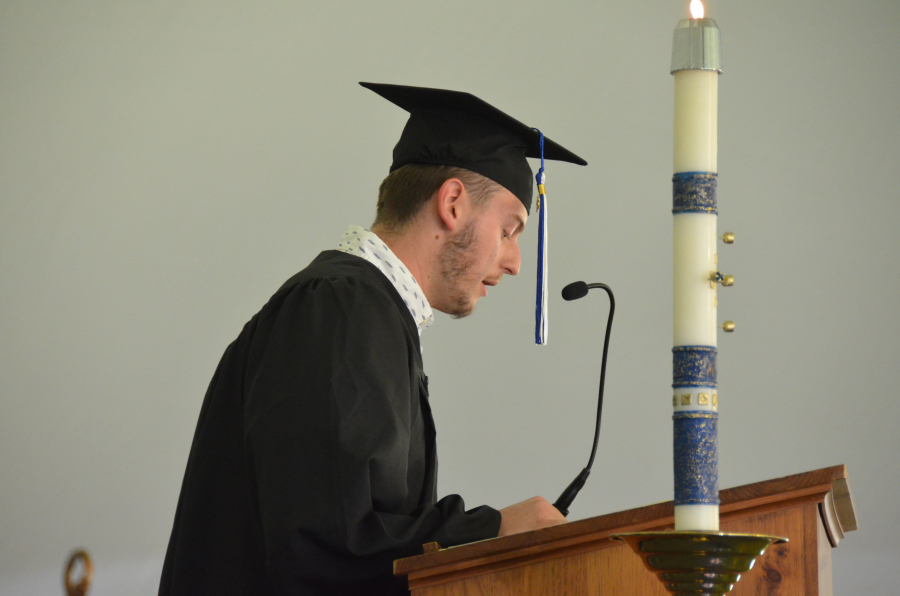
(458, 129)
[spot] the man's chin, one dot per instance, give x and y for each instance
(459, 310)
(462, 315)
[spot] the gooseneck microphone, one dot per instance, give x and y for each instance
(574, 291)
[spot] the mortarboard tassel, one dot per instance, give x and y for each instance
(540, 313)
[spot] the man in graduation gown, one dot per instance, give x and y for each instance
(314, 464)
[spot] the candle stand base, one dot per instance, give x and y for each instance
(698, 563)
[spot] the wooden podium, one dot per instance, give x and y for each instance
(813, 510)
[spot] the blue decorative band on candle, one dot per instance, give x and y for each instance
(694, 192)
(696, 458)
(694, 366)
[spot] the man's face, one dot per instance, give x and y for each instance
(481, 253)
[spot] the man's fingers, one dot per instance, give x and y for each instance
(531, 514)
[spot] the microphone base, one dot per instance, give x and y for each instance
(565, 499)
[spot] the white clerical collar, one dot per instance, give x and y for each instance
(364, 244)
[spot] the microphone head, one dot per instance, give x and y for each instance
(575, 290)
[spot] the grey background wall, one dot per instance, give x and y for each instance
(165, 166)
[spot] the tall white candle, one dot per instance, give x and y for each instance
(696, 70)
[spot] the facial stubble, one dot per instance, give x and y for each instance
(456, 261)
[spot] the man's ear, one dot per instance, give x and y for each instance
(453, 204)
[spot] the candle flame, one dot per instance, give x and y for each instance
(696, 9)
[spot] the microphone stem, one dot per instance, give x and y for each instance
(612, 310)
(571, 491)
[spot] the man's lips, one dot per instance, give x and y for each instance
(488, 282)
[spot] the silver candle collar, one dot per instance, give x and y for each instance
(696, 46)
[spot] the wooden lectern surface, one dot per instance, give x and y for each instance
(812, 509)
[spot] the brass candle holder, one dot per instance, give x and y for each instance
(698, 563)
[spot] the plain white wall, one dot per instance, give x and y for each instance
(165, 166)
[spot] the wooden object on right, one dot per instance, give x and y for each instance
(814, 510)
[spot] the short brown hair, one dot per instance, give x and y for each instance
(405, 191)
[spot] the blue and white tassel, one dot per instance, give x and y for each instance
(540, 328)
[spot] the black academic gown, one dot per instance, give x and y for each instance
(313, 465)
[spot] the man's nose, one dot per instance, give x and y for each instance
(512, 259)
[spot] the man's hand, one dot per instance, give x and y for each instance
(533, 514)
